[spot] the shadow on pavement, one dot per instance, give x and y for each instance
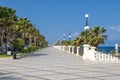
(35, 55)
(8, 76)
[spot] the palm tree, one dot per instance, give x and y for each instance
(78, 42)
(23, 24)
(42, 41)
(30, 32)
(35, 36)
(81, 39)
(83, 36)
(7, 18)
(97, 36)
(13, 27)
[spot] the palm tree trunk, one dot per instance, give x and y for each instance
(2, 38)
(35, 39)
(30, 41)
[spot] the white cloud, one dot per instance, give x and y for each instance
(64, 34)
(113, 32)
(117, 28)
(113, 37)
(75, 34)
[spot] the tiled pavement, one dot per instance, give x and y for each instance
(52, 64)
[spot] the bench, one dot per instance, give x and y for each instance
(18, 56)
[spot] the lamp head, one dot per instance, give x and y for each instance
(86, 28)
(86, 15)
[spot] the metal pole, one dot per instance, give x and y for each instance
(86, 37)
(86, 29)
(69, 35)
(86, 25)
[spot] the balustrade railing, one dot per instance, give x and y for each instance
(87, 52)
(78, 51)
(107, 57)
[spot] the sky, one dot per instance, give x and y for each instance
(56, 18)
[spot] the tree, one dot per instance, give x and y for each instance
(7, 19)
(13, 28)
(18, 44)
(78, 41)
(97, 36)
(65, 42)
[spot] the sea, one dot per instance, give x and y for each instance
(107, 49)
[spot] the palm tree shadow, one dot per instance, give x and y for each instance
(9, 77)
(36, 54)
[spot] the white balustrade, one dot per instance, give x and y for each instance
(63, 48)
(78, 50)
(73, 47)
(106, 57)
(89, 53)
(70, 48)
(86, 51)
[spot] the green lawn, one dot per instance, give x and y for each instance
(5, 56)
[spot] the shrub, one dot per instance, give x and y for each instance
(112, 52)
(18, 44)
(29, 49)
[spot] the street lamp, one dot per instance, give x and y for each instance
(69, 36)
(86, 28)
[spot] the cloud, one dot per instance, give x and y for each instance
(113, 32)
(75, 34)
(113, 36)
(64, 34)
(117, 28)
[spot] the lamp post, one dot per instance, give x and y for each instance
(86, 28)
(69, 36)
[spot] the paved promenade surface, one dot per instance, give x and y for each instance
(52, 64)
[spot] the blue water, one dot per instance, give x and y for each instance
(107, 49)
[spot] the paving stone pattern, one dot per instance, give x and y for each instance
(52, 64)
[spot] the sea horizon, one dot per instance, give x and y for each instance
(107, 49)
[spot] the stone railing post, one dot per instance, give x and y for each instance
(92, 53)
(63, 48)
(69, 48)
(78, 50)
(73, 47)
(116, 49)
(86, 51)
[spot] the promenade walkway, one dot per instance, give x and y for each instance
(52, 64)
